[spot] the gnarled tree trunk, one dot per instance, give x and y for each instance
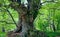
(26, 18)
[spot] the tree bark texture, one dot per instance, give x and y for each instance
(25, 26)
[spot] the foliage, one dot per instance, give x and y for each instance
(46, 14)
(48, 11)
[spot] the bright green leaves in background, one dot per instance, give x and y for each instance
(50, 11)
(6, 20)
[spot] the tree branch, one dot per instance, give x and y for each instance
(12, 17)
(47, 2)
